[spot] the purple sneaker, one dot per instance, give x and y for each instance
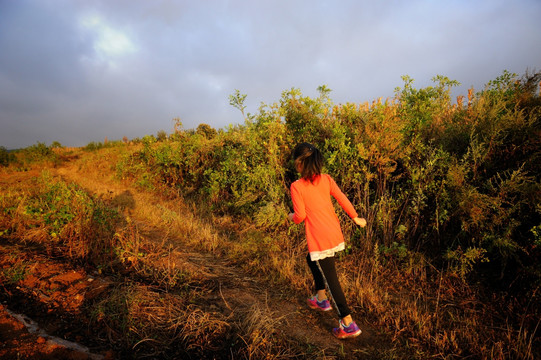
(314, 303)
(344, 332)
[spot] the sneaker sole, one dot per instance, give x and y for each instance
(315, 307)
(346, 335)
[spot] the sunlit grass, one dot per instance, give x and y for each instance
(447, 265)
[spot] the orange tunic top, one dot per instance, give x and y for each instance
(312, 204)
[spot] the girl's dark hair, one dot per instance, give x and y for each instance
(308, 160)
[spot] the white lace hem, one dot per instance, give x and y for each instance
(319, 255)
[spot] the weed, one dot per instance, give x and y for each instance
(259, 335)
(150, 323)
(15, 273)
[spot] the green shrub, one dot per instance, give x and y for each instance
(431, 176)
(94, 146)
(70, 217)
(6, 157)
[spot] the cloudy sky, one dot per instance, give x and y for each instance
(79, 71)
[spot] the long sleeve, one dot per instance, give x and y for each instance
(342, 200)
(298, 205)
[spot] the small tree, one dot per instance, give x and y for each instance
(206, 130)
(177, 125)
(56, 145)
(6, 157)
(237, 100)
(161, 135)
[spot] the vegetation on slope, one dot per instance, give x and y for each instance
(449, 261)
(451, 191)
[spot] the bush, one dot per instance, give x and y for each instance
(459, 182)
(35, 154)
(6, 157)
(94, 146)
(161, 136)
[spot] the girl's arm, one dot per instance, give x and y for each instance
(299, 213)
(342, 199)
(346, 204)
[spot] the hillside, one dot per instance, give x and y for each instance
(168, 291)
(178, 245)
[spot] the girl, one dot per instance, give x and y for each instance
(312, 204)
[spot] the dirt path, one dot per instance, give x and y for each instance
(235, 293)
(229, 290)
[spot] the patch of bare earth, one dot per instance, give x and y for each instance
(40, 315)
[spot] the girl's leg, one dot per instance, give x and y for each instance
(318, 278)
(327, 270)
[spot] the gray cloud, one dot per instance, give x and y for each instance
(127, 68)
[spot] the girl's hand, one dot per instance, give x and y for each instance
(290, 216)
(360, 221)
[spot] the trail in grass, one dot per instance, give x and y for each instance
(227, 288)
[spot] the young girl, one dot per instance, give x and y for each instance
(312, 204)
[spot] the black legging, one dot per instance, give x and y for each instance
(324, 272)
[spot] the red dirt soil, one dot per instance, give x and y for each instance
(51, 294)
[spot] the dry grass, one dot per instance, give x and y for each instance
(151, 319)
(94, 172)
(162, 315)
(157, 324)
(433, 313)
(261, 337)
(442, 317)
